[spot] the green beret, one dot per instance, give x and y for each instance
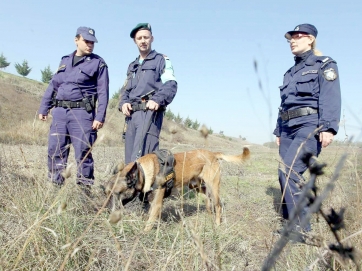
(140, 26)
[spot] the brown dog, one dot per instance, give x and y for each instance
(198, 169)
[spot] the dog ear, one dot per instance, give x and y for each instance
(130, 170)
(118, 168)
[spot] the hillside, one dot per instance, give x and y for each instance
(20, 99)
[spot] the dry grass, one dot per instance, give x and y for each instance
(44, 228)
(39, 232)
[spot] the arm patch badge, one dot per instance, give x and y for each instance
(330, 74)
(61, 68)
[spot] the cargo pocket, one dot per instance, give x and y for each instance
(149, 71)
(152, 140)
(86, 73)
(308, 85)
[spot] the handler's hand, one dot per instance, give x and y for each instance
(126, 109)
(326, 138)
(278, 140)
(152, 105)
(97, 125)
(43, 117)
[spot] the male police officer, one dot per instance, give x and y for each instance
(149, 88)
(80, 81)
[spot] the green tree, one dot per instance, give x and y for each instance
(211, 131)
(169, 115)
(3, 62)
(116, 95)
(195, 125)
(188, 122)
(46, 74)
(23, 69)
(178, 119)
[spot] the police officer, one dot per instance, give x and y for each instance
(150, 86)
(309, 112)
(80, 81)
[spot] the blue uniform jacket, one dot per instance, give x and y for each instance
(308, 87)
(155, 73)
(89, 76)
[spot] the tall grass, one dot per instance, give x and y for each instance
(43, 227)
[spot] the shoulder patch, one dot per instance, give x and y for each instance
(102, 65)
(330, 74)
(61, 68)
(165, 56)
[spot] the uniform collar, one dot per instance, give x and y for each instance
(85, 57)
(303, 57)
(151, 55)
(311, 60)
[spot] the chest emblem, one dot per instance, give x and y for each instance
(330, 74)
(310, 71)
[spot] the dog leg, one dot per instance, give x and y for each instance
(156, 206)
(211, 176)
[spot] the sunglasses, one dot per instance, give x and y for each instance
(297, 36)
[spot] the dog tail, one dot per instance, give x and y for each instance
(235, 158)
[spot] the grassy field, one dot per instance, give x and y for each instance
(42, 228)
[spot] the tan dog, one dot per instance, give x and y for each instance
(198, 169)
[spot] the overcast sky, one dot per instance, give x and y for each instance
(212, 46)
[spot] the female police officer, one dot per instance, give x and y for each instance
(309, 112)
(80, 81)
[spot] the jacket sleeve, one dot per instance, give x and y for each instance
(329, 98)
(47, 100)
(125, 90)
(102, 92)
(277, 130)
(165, 95)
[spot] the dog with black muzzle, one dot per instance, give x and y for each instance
(199, 169)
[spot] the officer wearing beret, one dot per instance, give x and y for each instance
(309, 112)
(80, 81)
(150, 86)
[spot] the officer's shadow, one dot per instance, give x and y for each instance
(277, 196)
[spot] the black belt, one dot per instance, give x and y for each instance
(291, 114)
(70, 104)
(142, 106)
(138, 107)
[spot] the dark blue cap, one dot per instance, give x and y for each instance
(87, 33)
(140, 26)
(304, 28)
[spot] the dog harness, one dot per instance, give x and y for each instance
(166, 161)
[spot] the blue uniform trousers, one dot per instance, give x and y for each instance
(290, 151)
(136, 133)
(71, 126)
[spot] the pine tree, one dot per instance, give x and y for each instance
(195, 125)
(23, 69)
(116, 95)
(178, 119)
(169, 115)
(188, 122)
(3, 62)
(46, 74)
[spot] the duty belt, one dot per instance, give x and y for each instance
(291, 114)
(138, 107)
(70, 104)
(142, 106)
